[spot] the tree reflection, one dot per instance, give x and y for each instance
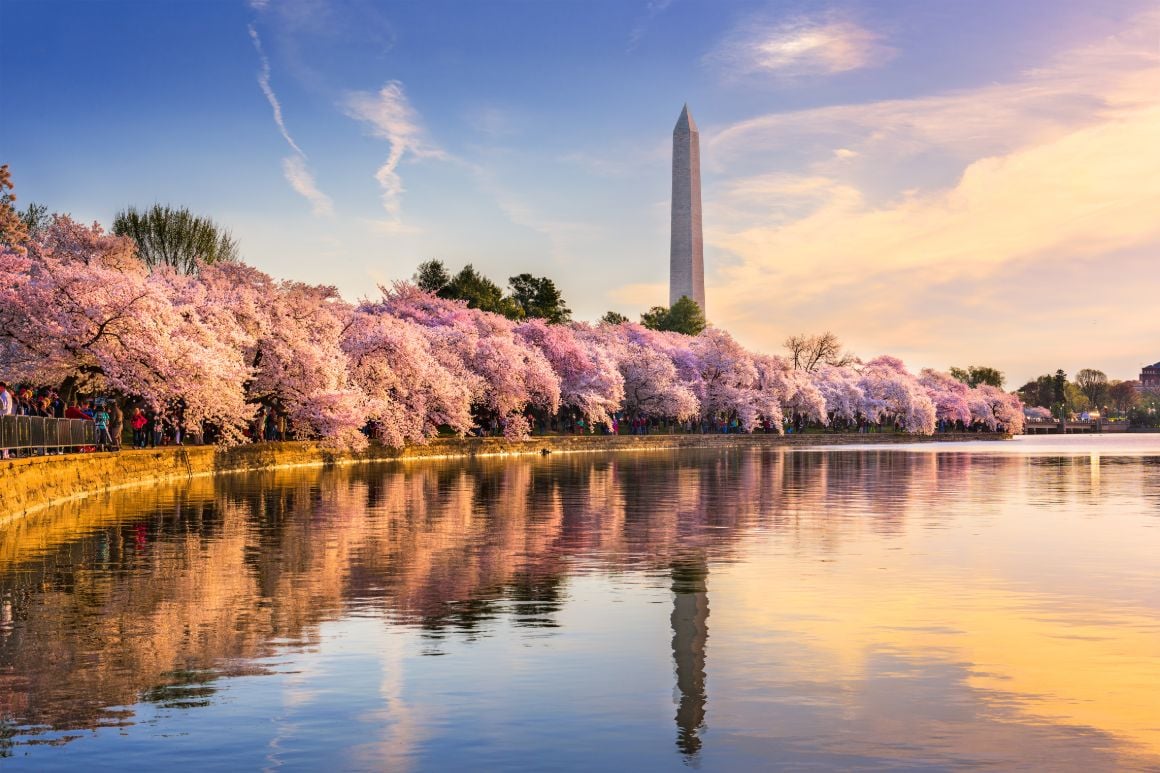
(151, 596)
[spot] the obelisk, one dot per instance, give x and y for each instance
(686, 250)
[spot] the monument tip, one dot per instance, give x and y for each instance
(685, 121)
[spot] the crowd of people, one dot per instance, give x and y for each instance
(116, 423)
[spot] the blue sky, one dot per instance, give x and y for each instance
(944, 181)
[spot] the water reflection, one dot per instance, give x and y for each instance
(870, 607)
(690, 621)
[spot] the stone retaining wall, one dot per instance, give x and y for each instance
(33, 483)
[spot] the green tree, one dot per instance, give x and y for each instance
(175, 237)
(684, 316)
(36, 218)
(538, 297)
(656, 318)
(1094, 385)
(531, 296)
(1075, 399)
(432, 276)
(1059, 387)
(480, 293)
(1146, 413)
(613, 318)
(1124, 395)
(1039, 392)
(979, 374)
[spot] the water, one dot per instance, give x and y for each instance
(992, 605)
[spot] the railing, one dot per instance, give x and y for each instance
(38, 433)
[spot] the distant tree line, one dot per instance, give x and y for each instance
(530, 297)
(1092, 390)
(684, 316)
(974, 375)
(537, 297)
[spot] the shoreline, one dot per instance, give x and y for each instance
(31, 484)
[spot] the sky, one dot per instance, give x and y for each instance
(953, 183)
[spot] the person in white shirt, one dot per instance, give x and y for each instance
(7, 408)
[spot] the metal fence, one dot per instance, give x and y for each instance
(38, 434)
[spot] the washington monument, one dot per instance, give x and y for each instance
(686, 251)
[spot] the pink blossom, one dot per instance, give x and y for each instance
(949, 396)
(894, 394)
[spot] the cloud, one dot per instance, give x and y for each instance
(392, 118)
(802, 47)
(302, 181)
(271, 97)
(293, 167)
(1041, 203)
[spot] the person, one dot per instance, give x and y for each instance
(116, 424)
(101, 419)
(7, 408)
(157, 430)
(22, 406)
(138, 421)
(73, 411)
(172, 430)
(258, 425)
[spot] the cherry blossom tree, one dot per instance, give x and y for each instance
(894, 394)
(729, 382)
(795, 389)
(77, 306)
(949, 396)
(839, 387)
(1005, 409)
(652, 387)
(409, 393)
(1038, 413)
(589, 379)
(290, 335)
(87, 312)
(507, 375)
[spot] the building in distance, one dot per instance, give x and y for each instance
(1150, 378)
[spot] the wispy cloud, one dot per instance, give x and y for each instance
(271, 97)
(801, 47)
(1046, 179)
(293, 166)
(391, 117)
(302, 181)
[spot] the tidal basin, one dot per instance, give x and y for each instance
(990, 605)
